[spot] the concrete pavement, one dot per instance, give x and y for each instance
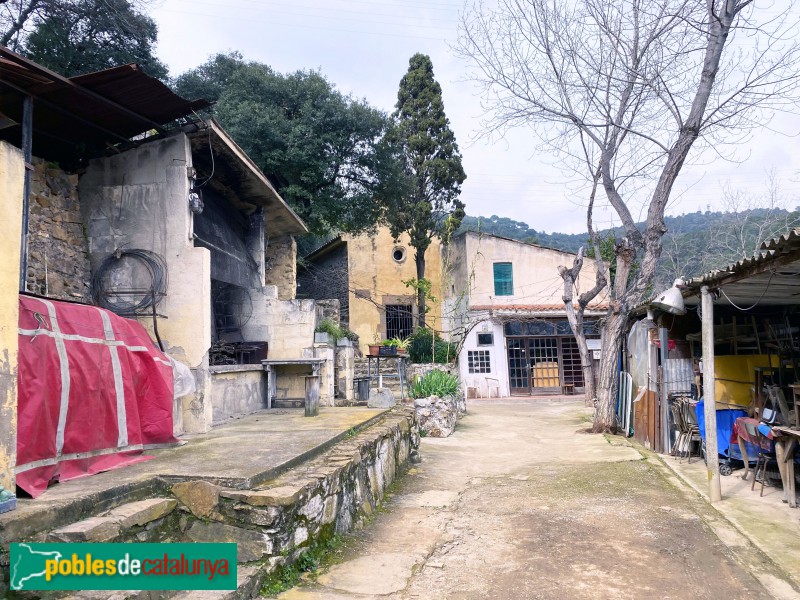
(519, 503)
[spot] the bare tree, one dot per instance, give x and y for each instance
(630, 86)
(748, 219)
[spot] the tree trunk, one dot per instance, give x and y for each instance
(419, 258)
(605, 418)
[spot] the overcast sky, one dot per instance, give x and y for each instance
(363, 47)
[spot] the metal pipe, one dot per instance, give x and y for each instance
(709, 397)
(27, 153)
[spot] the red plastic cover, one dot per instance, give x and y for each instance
(94, 392)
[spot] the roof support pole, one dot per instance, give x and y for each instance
(27, 153)
(709, 396)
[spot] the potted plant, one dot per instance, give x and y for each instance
(375, 346)
(401, 345)
(388, 348)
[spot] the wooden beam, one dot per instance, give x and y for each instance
(709, 397)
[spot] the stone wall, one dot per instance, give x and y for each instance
(327, 277)
(280, 267)
(58, 253)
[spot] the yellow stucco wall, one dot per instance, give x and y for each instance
(12, 169)
(373, 269)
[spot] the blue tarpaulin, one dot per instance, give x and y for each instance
(725, 420)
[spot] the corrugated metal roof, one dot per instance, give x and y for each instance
(92, 111)
(769, 277)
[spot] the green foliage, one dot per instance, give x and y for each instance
(421, 138)
(288, 576)
(320, 148)
(421, 286)
(695, 241)
(399, 343)
(426, 346)
(335, 331)
(435, 383)
(332, 329)
(73, 38)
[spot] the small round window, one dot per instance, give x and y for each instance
(399, 254)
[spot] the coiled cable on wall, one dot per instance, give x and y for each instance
(143, 298)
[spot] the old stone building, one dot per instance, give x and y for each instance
(366, 274)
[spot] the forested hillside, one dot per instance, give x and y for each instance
(694, 244)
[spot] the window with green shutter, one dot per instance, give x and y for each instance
(503, 280)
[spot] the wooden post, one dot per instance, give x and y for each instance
(709, 391)
(312, 395)
(666, 442)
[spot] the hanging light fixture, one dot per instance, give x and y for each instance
(671, 300)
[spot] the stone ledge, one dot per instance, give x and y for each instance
(142, 512)
(93, 529)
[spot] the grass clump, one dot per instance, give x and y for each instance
(435, 383)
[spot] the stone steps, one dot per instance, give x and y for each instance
(130, 520)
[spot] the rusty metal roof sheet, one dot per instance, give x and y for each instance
(90, 111)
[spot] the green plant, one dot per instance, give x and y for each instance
(426, 346)
(435, 383)
(390, 342)
(331, 328)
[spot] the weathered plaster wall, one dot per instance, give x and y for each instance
(376, 276)
(288, 325)
(138, 199)
(12, 169)
(237, 392)
(534, 269)
(498, 360)
(280, 268)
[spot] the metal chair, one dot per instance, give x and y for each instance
(692, 426)
(762, 444)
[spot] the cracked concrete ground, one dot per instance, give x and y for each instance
(519, 504)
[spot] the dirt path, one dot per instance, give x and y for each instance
(516, 504)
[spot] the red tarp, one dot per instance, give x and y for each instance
(94, 391)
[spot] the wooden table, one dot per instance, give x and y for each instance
(785, 440)
(785, 446)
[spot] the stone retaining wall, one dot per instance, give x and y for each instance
(273, 524)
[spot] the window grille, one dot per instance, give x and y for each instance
(399, 321)
(478, 361)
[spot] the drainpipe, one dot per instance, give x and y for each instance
(27, 143)
(709, 397)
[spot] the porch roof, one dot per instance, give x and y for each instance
(770, 277)
(96, 110)
(236, 177)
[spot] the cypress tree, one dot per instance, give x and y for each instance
(422, 138)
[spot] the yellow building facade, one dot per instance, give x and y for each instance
(366, 273)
